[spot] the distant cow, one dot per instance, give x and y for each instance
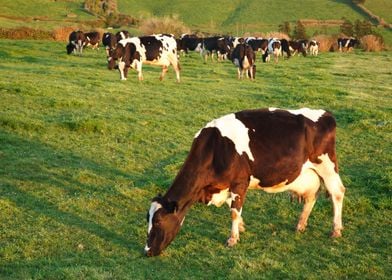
(217, 44)
(257, 44)
(285, 48)
(189, 42)
(92, 39)
(275, 48)
(109, 40)
(347, 44)
(244, 59)
(314, 47)
(76, 42)
(299, 46)
(155, 50)
(121, 35)
(270, 149)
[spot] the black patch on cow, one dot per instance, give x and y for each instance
(153, 47)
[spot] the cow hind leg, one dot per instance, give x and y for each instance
(335, 188)
(164, 71)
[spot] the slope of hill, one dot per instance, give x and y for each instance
(382, 8)
(42, 14)
(262, 15)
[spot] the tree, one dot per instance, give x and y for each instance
(285, 27)
(347, 28)
(299, 31)
(362, 28)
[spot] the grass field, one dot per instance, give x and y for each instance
(82, 154)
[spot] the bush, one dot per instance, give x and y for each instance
(327, 42)
(167, 24)
(22, 33)
(62, 33)
(372, 43)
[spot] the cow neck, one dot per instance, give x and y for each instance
(185, 189)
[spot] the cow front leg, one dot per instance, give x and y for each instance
(139, 70)
(237, 198)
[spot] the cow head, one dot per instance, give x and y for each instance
(70, 48)
(114, 54)
(163, 225)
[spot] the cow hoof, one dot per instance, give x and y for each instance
(336, 233)
(232, 241)
(123, 79)
(301, 228)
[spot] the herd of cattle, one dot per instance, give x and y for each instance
(164, 49)
(271, 149)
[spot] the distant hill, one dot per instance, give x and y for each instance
(239, 15)
(234, 17)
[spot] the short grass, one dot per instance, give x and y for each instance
(82, 154)
(381, 8)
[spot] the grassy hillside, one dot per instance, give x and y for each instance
(382, 8)
(82, 154)
(229, 16)
(43, 14)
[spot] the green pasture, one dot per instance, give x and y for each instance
(83, 153)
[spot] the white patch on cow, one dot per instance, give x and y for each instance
(311, 114)
(155, 206)
(245, 63)
(146, 248)
(307, 181)
(347, 43)
(232, 128)
(253, 182)
(237, 62)
(218, 199)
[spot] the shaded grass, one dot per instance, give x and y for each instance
(82, 154)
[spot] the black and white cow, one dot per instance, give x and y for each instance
(273, 47)
(217, 44)
(285, 47)
(189, 42)
(314, 47)
(155, 50)
(257, 44)
(109, 41)
(298, 46)
(92, 39)
(272, 150)
(121, 35)
(244, 58)
(76, 42)
(347, 44)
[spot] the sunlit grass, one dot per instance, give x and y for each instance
(82, 153)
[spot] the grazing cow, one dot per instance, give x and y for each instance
(275, 48)
(155, 50)
(299, 46)
(269, 149)
(313, 47)
(347, 44)
(285, 48)
(257, 44)
(244, 59)
(109, 40)
(76, 42)
(92, 39)
(219, 45)
(189, 42)
(121, 35)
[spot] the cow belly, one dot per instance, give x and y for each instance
(307, 181)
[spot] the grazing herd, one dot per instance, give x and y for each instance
(124, 52)
(273, 150)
